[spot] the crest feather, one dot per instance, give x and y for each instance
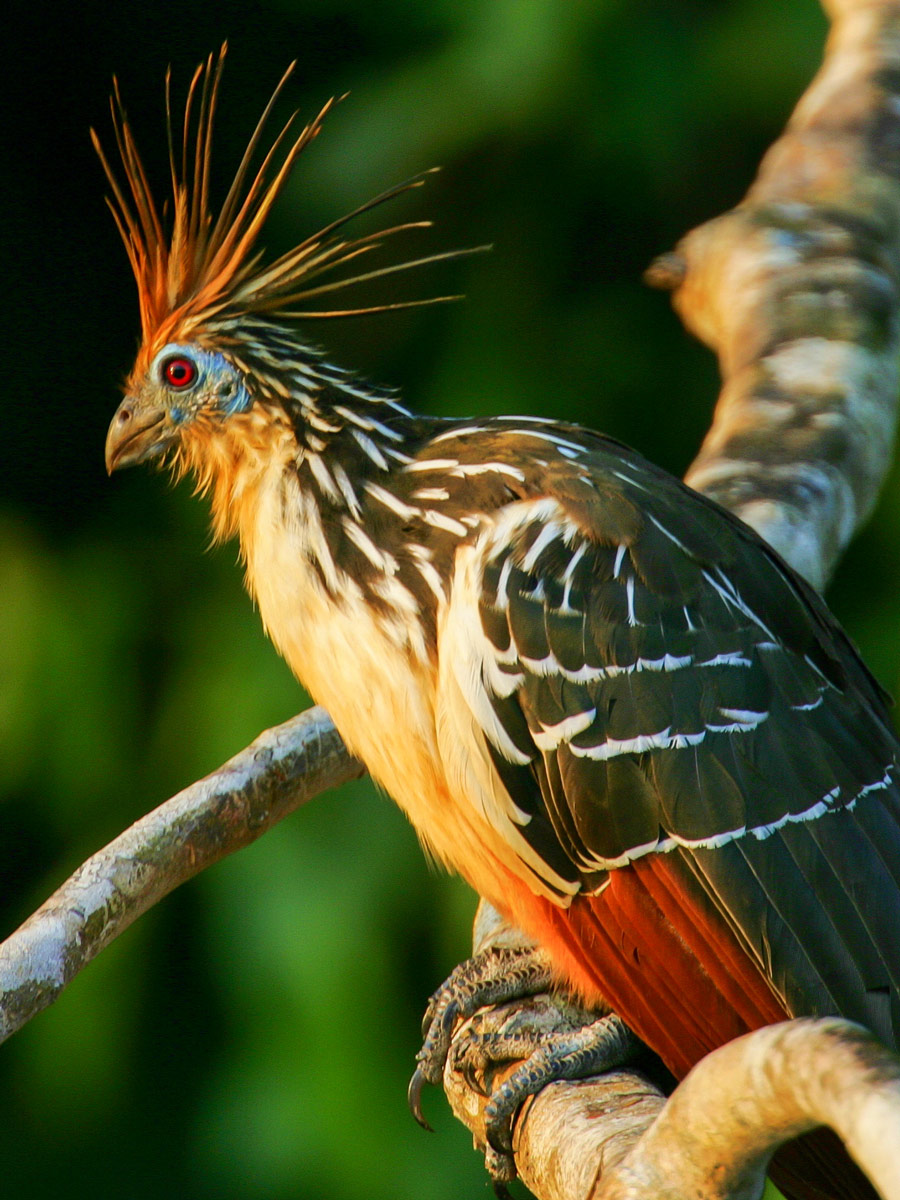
(196, 268)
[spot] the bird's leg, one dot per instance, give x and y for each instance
(551, 1039)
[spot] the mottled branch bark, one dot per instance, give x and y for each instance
(769, 1086)
(283, 769)
(796, 291)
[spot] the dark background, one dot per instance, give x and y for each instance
(251, 1038)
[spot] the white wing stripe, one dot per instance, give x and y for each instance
(665, 739)
(760, 832)
(552, 735)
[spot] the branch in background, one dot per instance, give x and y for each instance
(796, 290)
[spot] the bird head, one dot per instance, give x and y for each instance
(184, 388)
(220, 347)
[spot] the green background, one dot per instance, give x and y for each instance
(251, 1038)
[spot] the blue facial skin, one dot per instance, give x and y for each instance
(218, 386)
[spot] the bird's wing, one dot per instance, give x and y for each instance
(649, 679)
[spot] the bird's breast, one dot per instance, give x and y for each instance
(339, 647)
(352, 659)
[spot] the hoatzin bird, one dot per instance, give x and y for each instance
(598, 696)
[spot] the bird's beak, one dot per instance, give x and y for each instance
(136, 433)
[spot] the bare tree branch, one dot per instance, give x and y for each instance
(715, 1136)
(283, 769)
(796, 290)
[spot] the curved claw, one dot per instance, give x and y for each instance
(502, 1170)
(414, 1097)
(493, 976)
(498, 1133)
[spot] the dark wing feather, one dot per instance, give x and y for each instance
(682, 693)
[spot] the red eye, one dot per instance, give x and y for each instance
(179, 372)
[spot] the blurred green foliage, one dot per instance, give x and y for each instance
(250, 1039)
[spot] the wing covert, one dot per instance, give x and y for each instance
(632, 696)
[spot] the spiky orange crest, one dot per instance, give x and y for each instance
(197, 269)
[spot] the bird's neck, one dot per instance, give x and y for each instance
(314, 423)
(315, 489)
(310, 422)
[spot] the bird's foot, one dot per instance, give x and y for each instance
(599, 1046)
(550, 1039)
(495, 976)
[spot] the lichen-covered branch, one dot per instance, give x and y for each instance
(616, 1137)
(283, 769)
(797, 292)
